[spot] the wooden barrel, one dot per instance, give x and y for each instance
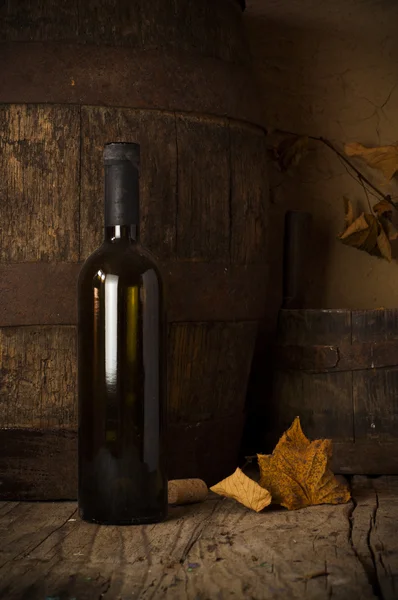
(173, 75)
(338, 371)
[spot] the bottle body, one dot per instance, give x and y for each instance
(121, 380)
(121, 386)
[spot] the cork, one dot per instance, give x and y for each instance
(187, 491)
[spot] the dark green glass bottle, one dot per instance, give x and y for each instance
(121, 362)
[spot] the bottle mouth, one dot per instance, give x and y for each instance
(115, 152)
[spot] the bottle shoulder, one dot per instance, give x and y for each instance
(128, 261)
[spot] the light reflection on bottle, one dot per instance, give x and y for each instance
(150, 324)
(111, 312)
(132, 333)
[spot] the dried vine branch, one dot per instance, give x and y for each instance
(371, 232)
(361, 176)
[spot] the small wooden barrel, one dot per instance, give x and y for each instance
(338, 371)
(174, 76)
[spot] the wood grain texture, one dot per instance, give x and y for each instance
(196, 203)
(38, 377)
(98, 127)
(209, 28)
(200, 291)
(209, 367)
(248, 195)
(374, 532)
(203, 210)
(337, 370)
(323, 401)
(172, 75)
(50, 287)
(196, 291)
(156, 134)
(344, 357)
(42, 464)
(384, 535)
(369, 457)
(36, 144)
(158, 193)
(321, 326)
(102, 75)
(377, 325)
(216, 549)
(208, 450)
(375, 390)
(39, 20)
(376, 404)
(29, 524)
(38, 464)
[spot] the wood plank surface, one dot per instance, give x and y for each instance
(91, 74)
(195, 291)
(203, 210)
(217, 549)
(337, 370)
(375, 532)
(38, 377)
(370, 457)
(248, 195)
(376, 404)
(42, 464)
(383, 536)
(38, 464)
(50, 287)
(209, 369)
(155, 131)
(99, 125)
(375, 325)
(344, 357)
(323, 401)
(209, 28)
(39, 183)
(323, 327)
(192, 201)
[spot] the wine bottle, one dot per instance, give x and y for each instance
(121, 362)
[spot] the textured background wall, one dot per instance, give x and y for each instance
(326, 68)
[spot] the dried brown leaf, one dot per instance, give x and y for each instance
(390, 230)
(290, 151)
(243, 489)
(384, 158)
(362, 234)
(384, 245)
(297, 473)
(370, 233)
(358, 226)
(383, 208)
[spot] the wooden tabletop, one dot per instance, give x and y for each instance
(214, 550)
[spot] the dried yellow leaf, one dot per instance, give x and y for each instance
(297, 473)
(348, 212)
(384, 158)
(243, 489)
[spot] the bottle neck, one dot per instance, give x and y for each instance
(128, 233)
(121, 196)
